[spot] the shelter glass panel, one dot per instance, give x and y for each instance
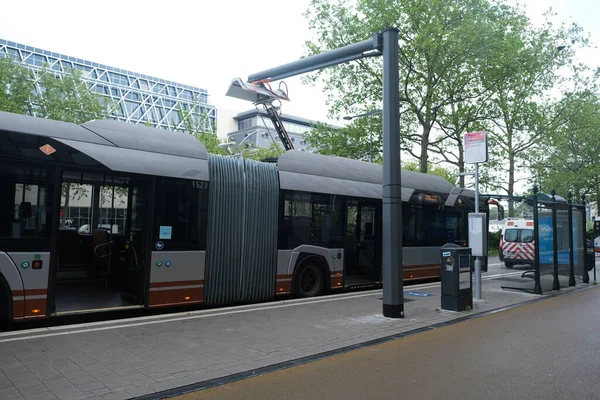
(578, 238)
(517, 256)
(563, 236)
(546, 235)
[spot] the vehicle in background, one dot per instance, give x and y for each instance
(516, 243)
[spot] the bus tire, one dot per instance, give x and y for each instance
(509, 264)
(5, 306)
(309, 280)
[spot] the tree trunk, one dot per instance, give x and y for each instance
(598, 202)
(511, 184)
(424, 147)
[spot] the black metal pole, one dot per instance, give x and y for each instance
(571, 249)
(318, 61)
(393, 291)
(556, 283)
(537, 289)
(586, 276)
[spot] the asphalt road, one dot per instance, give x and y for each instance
(546, 350)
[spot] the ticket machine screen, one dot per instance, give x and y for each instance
(464, 261)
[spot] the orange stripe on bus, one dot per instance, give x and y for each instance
(336, 282)
(29, 292)
(422, 274)
(436, 265)
(284, 287)
(175, 283)
(35, 308)
(18, 308)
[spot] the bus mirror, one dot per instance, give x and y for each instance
(25, 210)
(500, 213)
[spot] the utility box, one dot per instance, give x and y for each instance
(457, 288)
(478, 240)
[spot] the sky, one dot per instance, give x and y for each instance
(202, 43)
(207, 43)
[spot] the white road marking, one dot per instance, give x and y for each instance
(159, 319)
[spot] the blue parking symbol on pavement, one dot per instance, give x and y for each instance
(418, 294)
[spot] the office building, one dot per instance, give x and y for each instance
(252, 130)
(138, 98)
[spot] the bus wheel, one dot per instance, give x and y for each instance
(309, 281)
(4, 309)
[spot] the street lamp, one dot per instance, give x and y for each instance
(368, 114)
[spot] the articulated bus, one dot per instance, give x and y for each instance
(109, 215)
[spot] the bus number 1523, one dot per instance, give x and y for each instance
(200, 184)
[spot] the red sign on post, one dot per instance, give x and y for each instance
(47, 149)
(476, 147)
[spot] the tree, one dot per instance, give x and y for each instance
(350, 141)
(441, 46)
(520, 115)
(68, 98)
(16, 87)
(569, 159)
(259, 154)
(200, 129)
(431, 169)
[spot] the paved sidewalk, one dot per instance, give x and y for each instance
(128, 358)
(500, 356)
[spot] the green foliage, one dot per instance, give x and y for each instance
(67, 98)
(520, 112)
(199, 128)
(16, 87)
(494, 240)
(431, 169)
(464, 66)
(64, 98)
(349, 142)
(260, 154)
(569, 159)
(443, 47)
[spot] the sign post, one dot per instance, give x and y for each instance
(476, 151)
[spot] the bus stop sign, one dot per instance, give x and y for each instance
(476, 147)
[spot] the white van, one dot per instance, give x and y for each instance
(516, 243)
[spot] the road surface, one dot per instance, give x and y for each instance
(546, 350)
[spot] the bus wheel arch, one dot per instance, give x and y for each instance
(5, 302)
(310, 276)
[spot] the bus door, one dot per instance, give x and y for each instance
(363, 264)
(26, 213)
(101, 244)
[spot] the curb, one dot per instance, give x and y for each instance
(195, 387)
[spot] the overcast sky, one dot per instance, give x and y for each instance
(201, 43)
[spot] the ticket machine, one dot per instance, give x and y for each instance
(457, 288)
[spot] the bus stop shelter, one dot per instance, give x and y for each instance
(551, 250)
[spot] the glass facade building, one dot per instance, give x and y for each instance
(138, 98)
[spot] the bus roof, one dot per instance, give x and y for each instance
(133, 148)
(305, 171)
